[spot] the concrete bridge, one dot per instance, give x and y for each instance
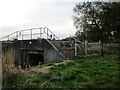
(31, 46)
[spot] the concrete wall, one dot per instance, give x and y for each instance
(8, 53)
(21, 50)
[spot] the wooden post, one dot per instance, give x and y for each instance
(100, 45)
(86, 45)
(75, 49)
(0, 65)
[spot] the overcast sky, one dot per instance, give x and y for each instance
(23, 14)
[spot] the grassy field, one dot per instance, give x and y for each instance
(90, 72)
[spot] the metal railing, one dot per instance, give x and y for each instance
(33, 33)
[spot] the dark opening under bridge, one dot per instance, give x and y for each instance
(31, 46)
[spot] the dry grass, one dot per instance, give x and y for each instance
(33, 71)
(8, 63)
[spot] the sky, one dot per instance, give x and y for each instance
(16, 15)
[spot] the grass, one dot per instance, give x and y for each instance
(90, 72)
(11, 80)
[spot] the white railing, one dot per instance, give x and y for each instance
(33, 33)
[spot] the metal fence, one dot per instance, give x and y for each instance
(33, 33)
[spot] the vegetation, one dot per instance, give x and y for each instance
(90, 72)
(100, 21)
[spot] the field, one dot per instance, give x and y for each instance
(90, 72)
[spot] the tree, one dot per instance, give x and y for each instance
(80, 35)
(100, 20)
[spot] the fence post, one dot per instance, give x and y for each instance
(0, 65)
(100, 45)
(86, 45)
(75, 49)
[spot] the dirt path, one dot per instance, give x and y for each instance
(38, 70)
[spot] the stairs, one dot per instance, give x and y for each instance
(65, 47)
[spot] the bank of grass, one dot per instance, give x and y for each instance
(90, 72)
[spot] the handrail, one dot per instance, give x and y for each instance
(9, 34)
(52, 33)
(20, 35)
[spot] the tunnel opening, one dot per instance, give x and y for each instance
(35, 59)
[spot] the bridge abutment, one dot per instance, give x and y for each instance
(31, 52)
